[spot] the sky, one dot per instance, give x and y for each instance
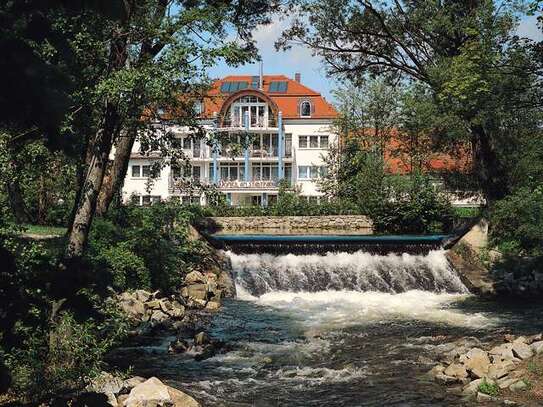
(300, 59)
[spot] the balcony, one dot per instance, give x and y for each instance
(258, 124)
(263, 185)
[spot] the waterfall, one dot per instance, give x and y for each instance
(258, 274)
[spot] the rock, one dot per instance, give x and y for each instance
(508, 381)
(142, 295)
(201, 338)
(483, 398)
(521, 350)
(521, 339)
(132, 382)
(195, 277)
(509, 337)
(477, 362)
(509, 403)
(456, 370)
(444, 379)
(472, 387)
(535, 338)
(197, 291)
(121, 399)
(537, 347)
(212, 306)
(106, 383)
(153, 392)
(131, 306)
(178, 346)
(518, 386)
(500, 369)
(504, 352)
(154, 304)
(226, 284)
(436, 370)
(158, 317)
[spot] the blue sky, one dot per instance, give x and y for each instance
(299, 59)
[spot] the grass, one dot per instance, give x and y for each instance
(44, 230)
(467, 212)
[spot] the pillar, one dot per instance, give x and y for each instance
(280, 147)
(246, 125)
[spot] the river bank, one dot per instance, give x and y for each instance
(294, 337)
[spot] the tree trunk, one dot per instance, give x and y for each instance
(492, 177)
(16, 202)
(116, 174)
(86, 206)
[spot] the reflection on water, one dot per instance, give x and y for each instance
(315, 347)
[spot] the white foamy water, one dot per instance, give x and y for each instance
(359, 271)
(337, 290)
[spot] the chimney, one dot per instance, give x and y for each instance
(298, 77)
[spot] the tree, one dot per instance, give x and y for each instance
(464, 51)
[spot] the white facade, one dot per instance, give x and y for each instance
(299, 161)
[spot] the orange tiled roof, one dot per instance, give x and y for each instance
(287, 102)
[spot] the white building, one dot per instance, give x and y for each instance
(289, 128)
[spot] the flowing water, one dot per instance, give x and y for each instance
(339, 329)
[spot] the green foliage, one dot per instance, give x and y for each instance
(145, 247)
(517, 223)
(492, 389)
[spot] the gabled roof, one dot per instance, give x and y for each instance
(287, 96)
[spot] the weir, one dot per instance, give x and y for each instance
(310, 244)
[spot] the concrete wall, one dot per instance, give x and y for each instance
(341, 224)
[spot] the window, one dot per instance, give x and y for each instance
(314, 141)
(145, 170)
(187, 143)
(136, 171)
(196, 172)
(305, 109)
(324, 142)
(198, 107)
(150, 199)
(310, 171)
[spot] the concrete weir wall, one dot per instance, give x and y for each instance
(340, 224)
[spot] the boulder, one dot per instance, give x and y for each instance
(178, 346)
(212, 306)
(506, 382)
(131, 306)
(196, 291)
(142, 295)
(444, 379)
(537, 347)
(472, 387)
(503, 352)
(132, 382)
(522, 350)
(483, 398)
(201, 338)
(456, 370)
(436, 370)
(500, 369)
(195, 277)
(477, 362)
(153, 392)
(518, 386)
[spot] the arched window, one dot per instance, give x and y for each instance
(305, 109)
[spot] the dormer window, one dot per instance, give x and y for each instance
(198, 108)
(305, 109)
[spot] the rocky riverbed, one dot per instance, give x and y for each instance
(501, 373)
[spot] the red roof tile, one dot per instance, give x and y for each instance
(287, 102)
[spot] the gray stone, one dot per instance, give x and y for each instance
(142, 295)
(522, 351)
(537, 347)
(504, 351)
(509, 403)
(472, 387)
(518, 386)
(436, 370)
(197, 291)
(213, 306)
(508, 381)
(132, 382)
(483, 398)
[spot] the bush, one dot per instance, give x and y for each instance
(517, 223)
(414, 205)
(491, 389)
(145, 247)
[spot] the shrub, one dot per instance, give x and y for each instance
(491, 389)
(517, 223)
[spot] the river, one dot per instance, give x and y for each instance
(339, 329)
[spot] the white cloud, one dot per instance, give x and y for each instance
(528, 28)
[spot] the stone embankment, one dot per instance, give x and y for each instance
(354, 224)
(496, 375)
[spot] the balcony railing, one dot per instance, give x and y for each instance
(260, 123)
(256, 184)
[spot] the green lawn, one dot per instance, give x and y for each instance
(43, 230)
